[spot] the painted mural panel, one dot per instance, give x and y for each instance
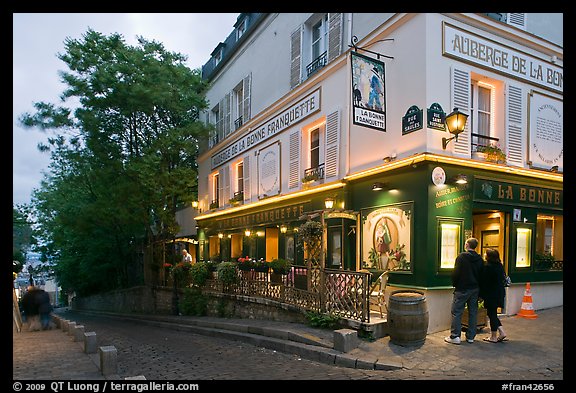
(386, 237)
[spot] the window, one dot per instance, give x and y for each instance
(549, 240)
(215, 191)
(238, 105)
(319, 37)
(240, 177)
(315, 148)
(216, 119)
(481, 113)
(218, 57)
(241, 29)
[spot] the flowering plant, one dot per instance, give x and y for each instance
(245, 263)
(261, 265)
(493, 153)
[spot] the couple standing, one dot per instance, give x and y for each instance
(473, 279)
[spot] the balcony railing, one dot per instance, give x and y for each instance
(318, 63)
(214, 204)
(313, 174)
(237, 198)
(238, 123)
(479, 140)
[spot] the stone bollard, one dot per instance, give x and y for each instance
(345, 340)
(108, 360)
(79, 333)
(71, 327)
(90, 343)
(64, 325)
(56, 320)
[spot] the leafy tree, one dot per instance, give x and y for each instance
(122, 159)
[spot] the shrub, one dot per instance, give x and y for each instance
(324, 321)
(194, 302)
(280, 266)
(227, 273)
(199, 273)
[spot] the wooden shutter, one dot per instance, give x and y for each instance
(460, 98)
(246, 103)
(221, 200)
(227, 114)
(225, 182)
(517, 19)
(514, 139)
(294, 157)
(332, 146)
(334, 35)
(247, 188)
(296, 57)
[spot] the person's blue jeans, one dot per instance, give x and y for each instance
(45, 320)
(459, 301)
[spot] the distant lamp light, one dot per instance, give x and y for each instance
(378, 186)
(455, 123)
(247, 232)
(461, 179)
(283, 228)
(220, 235)
(329, 203)
(260, 233)
(195, 204)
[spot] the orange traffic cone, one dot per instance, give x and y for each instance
(527, 309)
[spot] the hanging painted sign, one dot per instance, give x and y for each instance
(412, 120)
(368, 92)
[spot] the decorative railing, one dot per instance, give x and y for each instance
(480, 141)
(238, 123)
(313, 174)
(317, 63)
(338, 292)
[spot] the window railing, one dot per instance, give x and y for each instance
(237, 198)
(238, 123)
(214, 204)
(318, 63)
(479, 140)
(313, 174)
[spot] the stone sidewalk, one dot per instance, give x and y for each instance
(50, 355)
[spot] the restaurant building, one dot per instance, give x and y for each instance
(340, 117)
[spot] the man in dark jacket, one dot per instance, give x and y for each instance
(44, 308)
(466, 282)
(30, 308)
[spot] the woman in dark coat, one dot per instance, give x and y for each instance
(492, 290)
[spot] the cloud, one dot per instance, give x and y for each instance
(39, 37)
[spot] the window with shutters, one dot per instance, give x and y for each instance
(314, 44)
(238, 107)
(315, 159)
(482, 96)
(217, 134)
(214, 204)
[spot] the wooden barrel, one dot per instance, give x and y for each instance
(407, 317)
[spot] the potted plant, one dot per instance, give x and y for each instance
(493, 153)
(543, 261)
(227, 275)
(245, 264)
(279, 267)
(261, 266)
(310, 177)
